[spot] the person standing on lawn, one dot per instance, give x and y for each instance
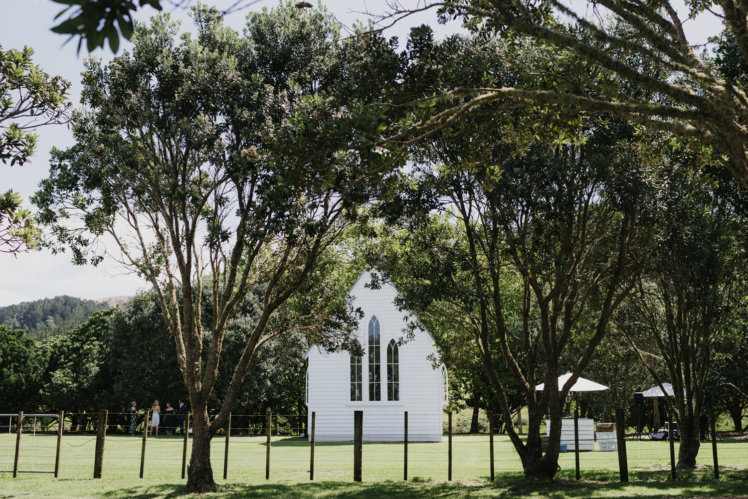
(181, 414)
(155, 418)
(169, 419)
(133, 417)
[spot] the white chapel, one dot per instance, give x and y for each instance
(389, 379)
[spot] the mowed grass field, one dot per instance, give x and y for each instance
(382, 469)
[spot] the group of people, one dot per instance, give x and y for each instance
(169, 419)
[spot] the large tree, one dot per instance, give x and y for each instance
(561, 219)
(224, 161)
(691, 291)
(561, 222)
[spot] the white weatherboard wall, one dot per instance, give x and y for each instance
(422, 391)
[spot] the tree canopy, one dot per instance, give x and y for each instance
(618, 45)
(691, 288)
(29, 98)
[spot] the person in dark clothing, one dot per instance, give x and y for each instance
(133, 418)
(181, 414)
(169, 419)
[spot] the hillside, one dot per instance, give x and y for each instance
(112, 301)
(52, 316)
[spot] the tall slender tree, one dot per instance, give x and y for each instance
(564, 223)
(691, 291)
(221, 161)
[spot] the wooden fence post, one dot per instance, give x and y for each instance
(623, 465)
(226, 450)
(490, 444)
(713, 432)
(19, 430)
(267, 453)
(100, 437)
(145, 437)
(405, 442)
(449, 455)
(670, 432)
(186, 430)
(576, 437)
(60, 427)
(311, 449)
(358, 440)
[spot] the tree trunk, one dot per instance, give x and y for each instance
(474, 421)
(539, 466)
(542, 469)
(736, 413)
(200, 472)
(689, 443)
(303, 430)
(536, 465)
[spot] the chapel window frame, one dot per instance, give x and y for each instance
(393, 372)
(356, 376)
(375, 361)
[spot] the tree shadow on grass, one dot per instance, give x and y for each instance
(734, 484)
(703, 473)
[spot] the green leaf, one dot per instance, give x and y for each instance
(125, 26)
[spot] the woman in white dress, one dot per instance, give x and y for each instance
(155, 417)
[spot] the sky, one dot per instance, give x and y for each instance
(41, 274)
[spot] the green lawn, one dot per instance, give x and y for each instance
(382, 469)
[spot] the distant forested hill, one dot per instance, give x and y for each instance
(50, 316)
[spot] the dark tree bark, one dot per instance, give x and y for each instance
(474, 428)
(200, 472)
(689, 443)
(736, 414)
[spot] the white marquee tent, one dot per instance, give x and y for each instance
(656, 391)
(582, 384)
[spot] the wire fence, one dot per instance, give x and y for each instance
(257, 447)
(39, 455)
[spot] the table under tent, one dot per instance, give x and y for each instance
(586, 429)
(661, 432)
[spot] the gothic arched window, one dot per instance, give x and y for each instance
(357, 389)
(393, 372)
(375, 377)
